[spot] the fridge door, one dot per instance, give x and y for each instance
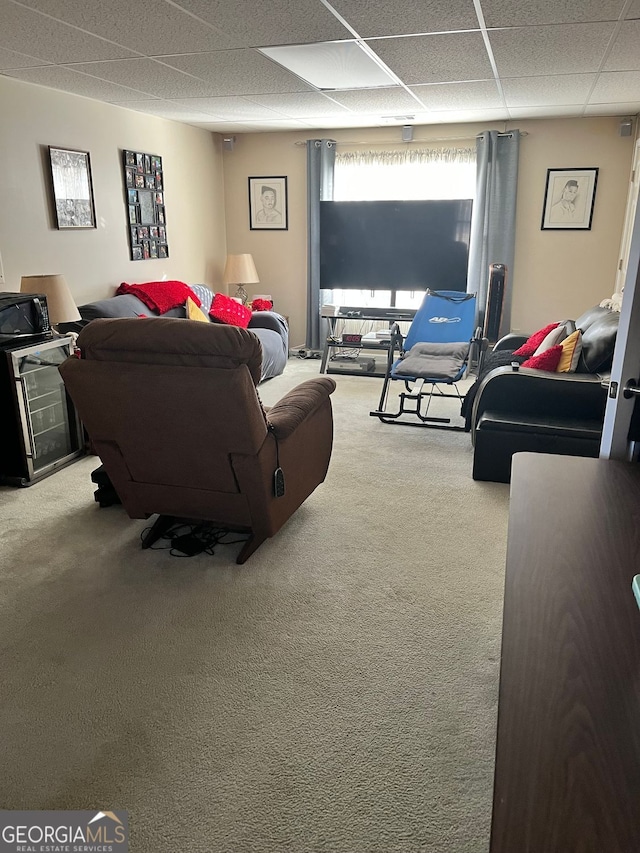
(50, 425)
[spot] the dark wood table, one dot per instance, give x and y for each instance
(567, 776)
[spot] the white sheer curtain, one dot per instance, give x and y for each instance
(406, 174)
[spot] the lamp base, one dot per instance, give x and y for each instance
(241, 294)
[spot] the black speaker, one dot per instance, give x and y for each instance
(495, 298)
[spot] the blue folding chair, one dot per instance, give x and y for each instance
(435, 352)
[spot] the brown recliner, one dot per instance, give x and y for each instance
(172, 411)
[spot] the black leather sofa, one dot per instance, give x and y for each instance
(511, 408)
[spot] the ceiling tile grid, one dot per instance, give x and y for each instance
(199, 61)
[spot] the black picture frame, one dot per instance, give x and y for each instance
(145, 201)
(72, 188)
(569, 199)
(268, 203)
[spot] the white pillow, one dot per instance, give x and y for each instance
(555, 336)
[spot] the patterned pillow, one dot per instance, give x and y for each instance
(204, 294)
(227, 310)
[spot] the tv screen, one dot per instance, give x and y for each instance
(395, 245)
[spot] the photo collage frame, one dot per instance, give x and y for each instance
(144, 188)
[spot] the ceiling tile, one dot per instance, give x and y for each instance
(467, 116)
(634, 10)
(625, 52)
(60, 77)
(336, 122)
(251, 24)
(230, 109)
(152, 29)
(239, 72)
(435, 59)
(25, 31)
(373, 19)
(515, 13)
(166, 109)
(631, 108)
(538, 91)
(392, 100)
(332, 65)
(11, 59)
(616, 86)
(545, 112)
(539, 51)
(148, 76)
(458, 96)
(300, 105)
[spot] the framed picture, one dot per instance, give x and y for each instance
(569, 198)
(143, 182)
(268, 204)
(72, 190)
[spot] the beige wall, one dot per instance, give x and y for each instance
(556, 274)
(95, 261)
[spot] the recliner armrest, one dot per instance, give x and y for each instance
(291, 410)
(510, 342)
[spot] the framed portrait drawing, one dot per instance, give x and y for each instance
(72, 190)
(569, 198)
(268, 204)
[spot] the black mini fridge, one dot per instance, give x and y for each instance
(42, 432)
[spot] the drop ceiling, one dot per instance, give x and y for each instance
(200, 61)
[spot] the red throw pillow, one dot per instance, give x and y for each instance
(531, 345)
(227, 310)
(547, 360)
(261, 305)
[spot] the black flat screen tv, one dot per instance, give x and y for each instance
(395, 245)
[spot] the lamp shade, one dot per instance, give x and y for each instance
(240, 269)
(60, 302)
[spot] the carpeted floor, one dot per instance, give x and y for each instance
(336, 693)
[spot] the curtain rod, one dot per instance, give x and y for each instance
(413, 141)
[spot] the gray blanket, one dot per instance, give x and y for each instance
(433, 361)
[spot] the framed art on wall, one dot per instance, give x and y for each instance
(268, 204)
(72, 190)
(569, 199)
(144, 193)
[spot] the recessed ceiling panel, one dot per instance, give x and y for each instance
(60, 77)
(151, 28)
(331, 65)
(25, 31)
(435, 59)
(373, 19)
(540, 51)
(239, 72)
(515, 13)
(251, 24)
(460, 96)
(538, 91)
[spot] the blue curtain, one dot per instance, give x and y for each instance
(493, 225)
(321, 156)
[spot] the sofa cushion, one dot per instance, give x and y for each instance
(126, 305)
(590, 316)
(598, 343)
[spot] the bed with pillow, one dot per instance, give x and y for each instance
(542, 394)
(268, 326)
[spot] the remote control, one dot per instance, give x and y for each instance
(278, 483)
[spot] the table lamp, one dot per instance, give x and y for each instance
(240, 270)
(60, 303)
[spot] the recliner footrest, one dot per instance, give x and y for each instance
(566, 427)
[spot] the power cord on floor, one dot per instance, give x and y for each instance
(187, 540)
